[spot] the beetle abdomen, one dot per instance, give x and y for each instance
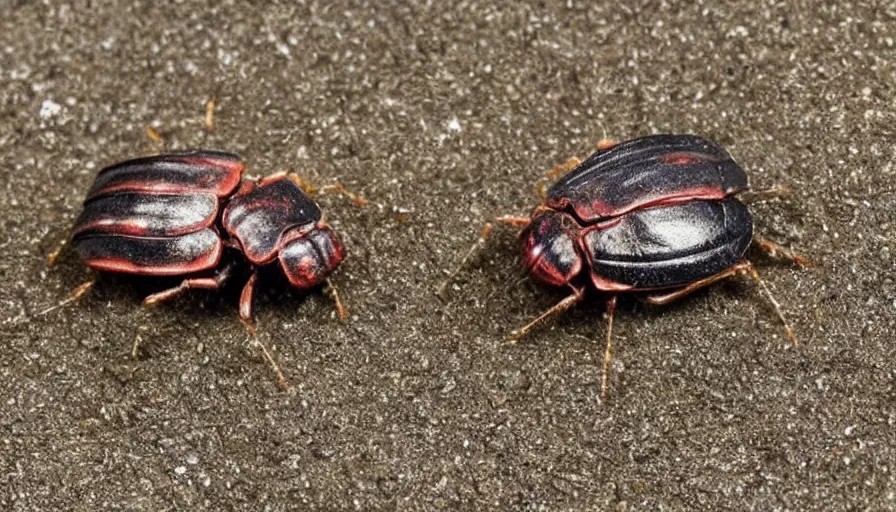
(669, 246)
(258, 215)
(173, 173)
(161, 256)
(156, 215)
(147, 214)
(647, 171)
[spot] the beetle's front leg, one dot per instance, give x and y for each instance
(246, 316)
(563, 305)
(246, 297)
(477, 247)
(480, 243)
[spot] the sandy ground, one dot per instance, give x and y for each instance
(444, 115)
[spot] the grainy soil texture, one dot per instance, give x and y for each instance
(444, 115)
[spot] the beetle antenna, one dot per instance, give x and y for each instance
(608, 353)
(768, 293)
(334, 292)
(560, 307)
(477, 247)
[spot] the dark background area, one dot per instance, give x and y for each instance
(444, 115)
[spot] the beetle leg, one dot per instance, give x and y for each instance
(477, 247)
(208, 122)
(604, 144)
(340, 309)
(246, 303)
(336, 188)
(560, 307)
(520, 222)
(750, 196)
(775, 304)
(608, 353)
(440, 292)
(210, 114)
(75, 295)
(281, 379)
(666, 298)
(780, 252)
(339, 189)
(555, 173)
(53, 256)
(564, 168)
(154, 135)
(743, 267)
(567, 166)
(208, 283)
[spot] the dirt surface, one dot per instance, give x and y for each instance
(444, 115)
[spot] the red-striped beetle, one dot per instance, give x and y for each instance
(161, 216)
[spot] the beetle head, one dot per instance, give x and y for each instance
(309, 256)
(550, 247)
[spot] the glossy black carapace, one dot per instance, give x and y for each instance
(656, 214)
(162, 216)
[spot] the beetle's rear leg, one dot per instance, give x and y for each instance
(567, 166)
(604, 144)
(75, 295)
(54, 255)
(772, 192)
(563, 305)
(780, 252)
(208, 122)
(743, 267)
(555, 173)
(208, 283)
(608, 352)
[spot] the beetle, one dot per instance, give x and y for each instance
(192, 214)
(657, 214)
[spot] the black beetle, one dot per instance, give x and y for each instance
(654, 213)
(161, 216)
